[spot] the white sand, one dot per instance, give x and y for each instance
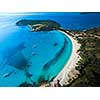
(71, 64)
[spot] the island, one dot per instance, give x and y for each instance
(39, 25)
(90, 13)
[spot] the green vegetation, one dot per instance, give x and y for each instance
(39, 25)
(89, 66)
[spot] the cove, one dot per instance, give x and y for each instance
(30, 57)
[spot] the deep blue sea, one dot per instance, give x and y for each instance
(34, 56)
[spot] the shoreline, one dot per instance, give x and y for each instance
(63, 75)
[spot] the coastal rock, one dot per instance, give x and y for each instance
(73, 74)
(33, 53)
(55, 44)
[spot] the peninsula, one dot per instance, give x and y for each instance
(39, 25)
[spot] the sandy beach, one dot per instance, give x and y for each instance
(63, 76)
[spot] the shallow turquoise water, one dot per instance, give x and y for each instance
(30, 56)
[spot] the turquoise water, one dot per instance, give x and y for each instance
(32, 56)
